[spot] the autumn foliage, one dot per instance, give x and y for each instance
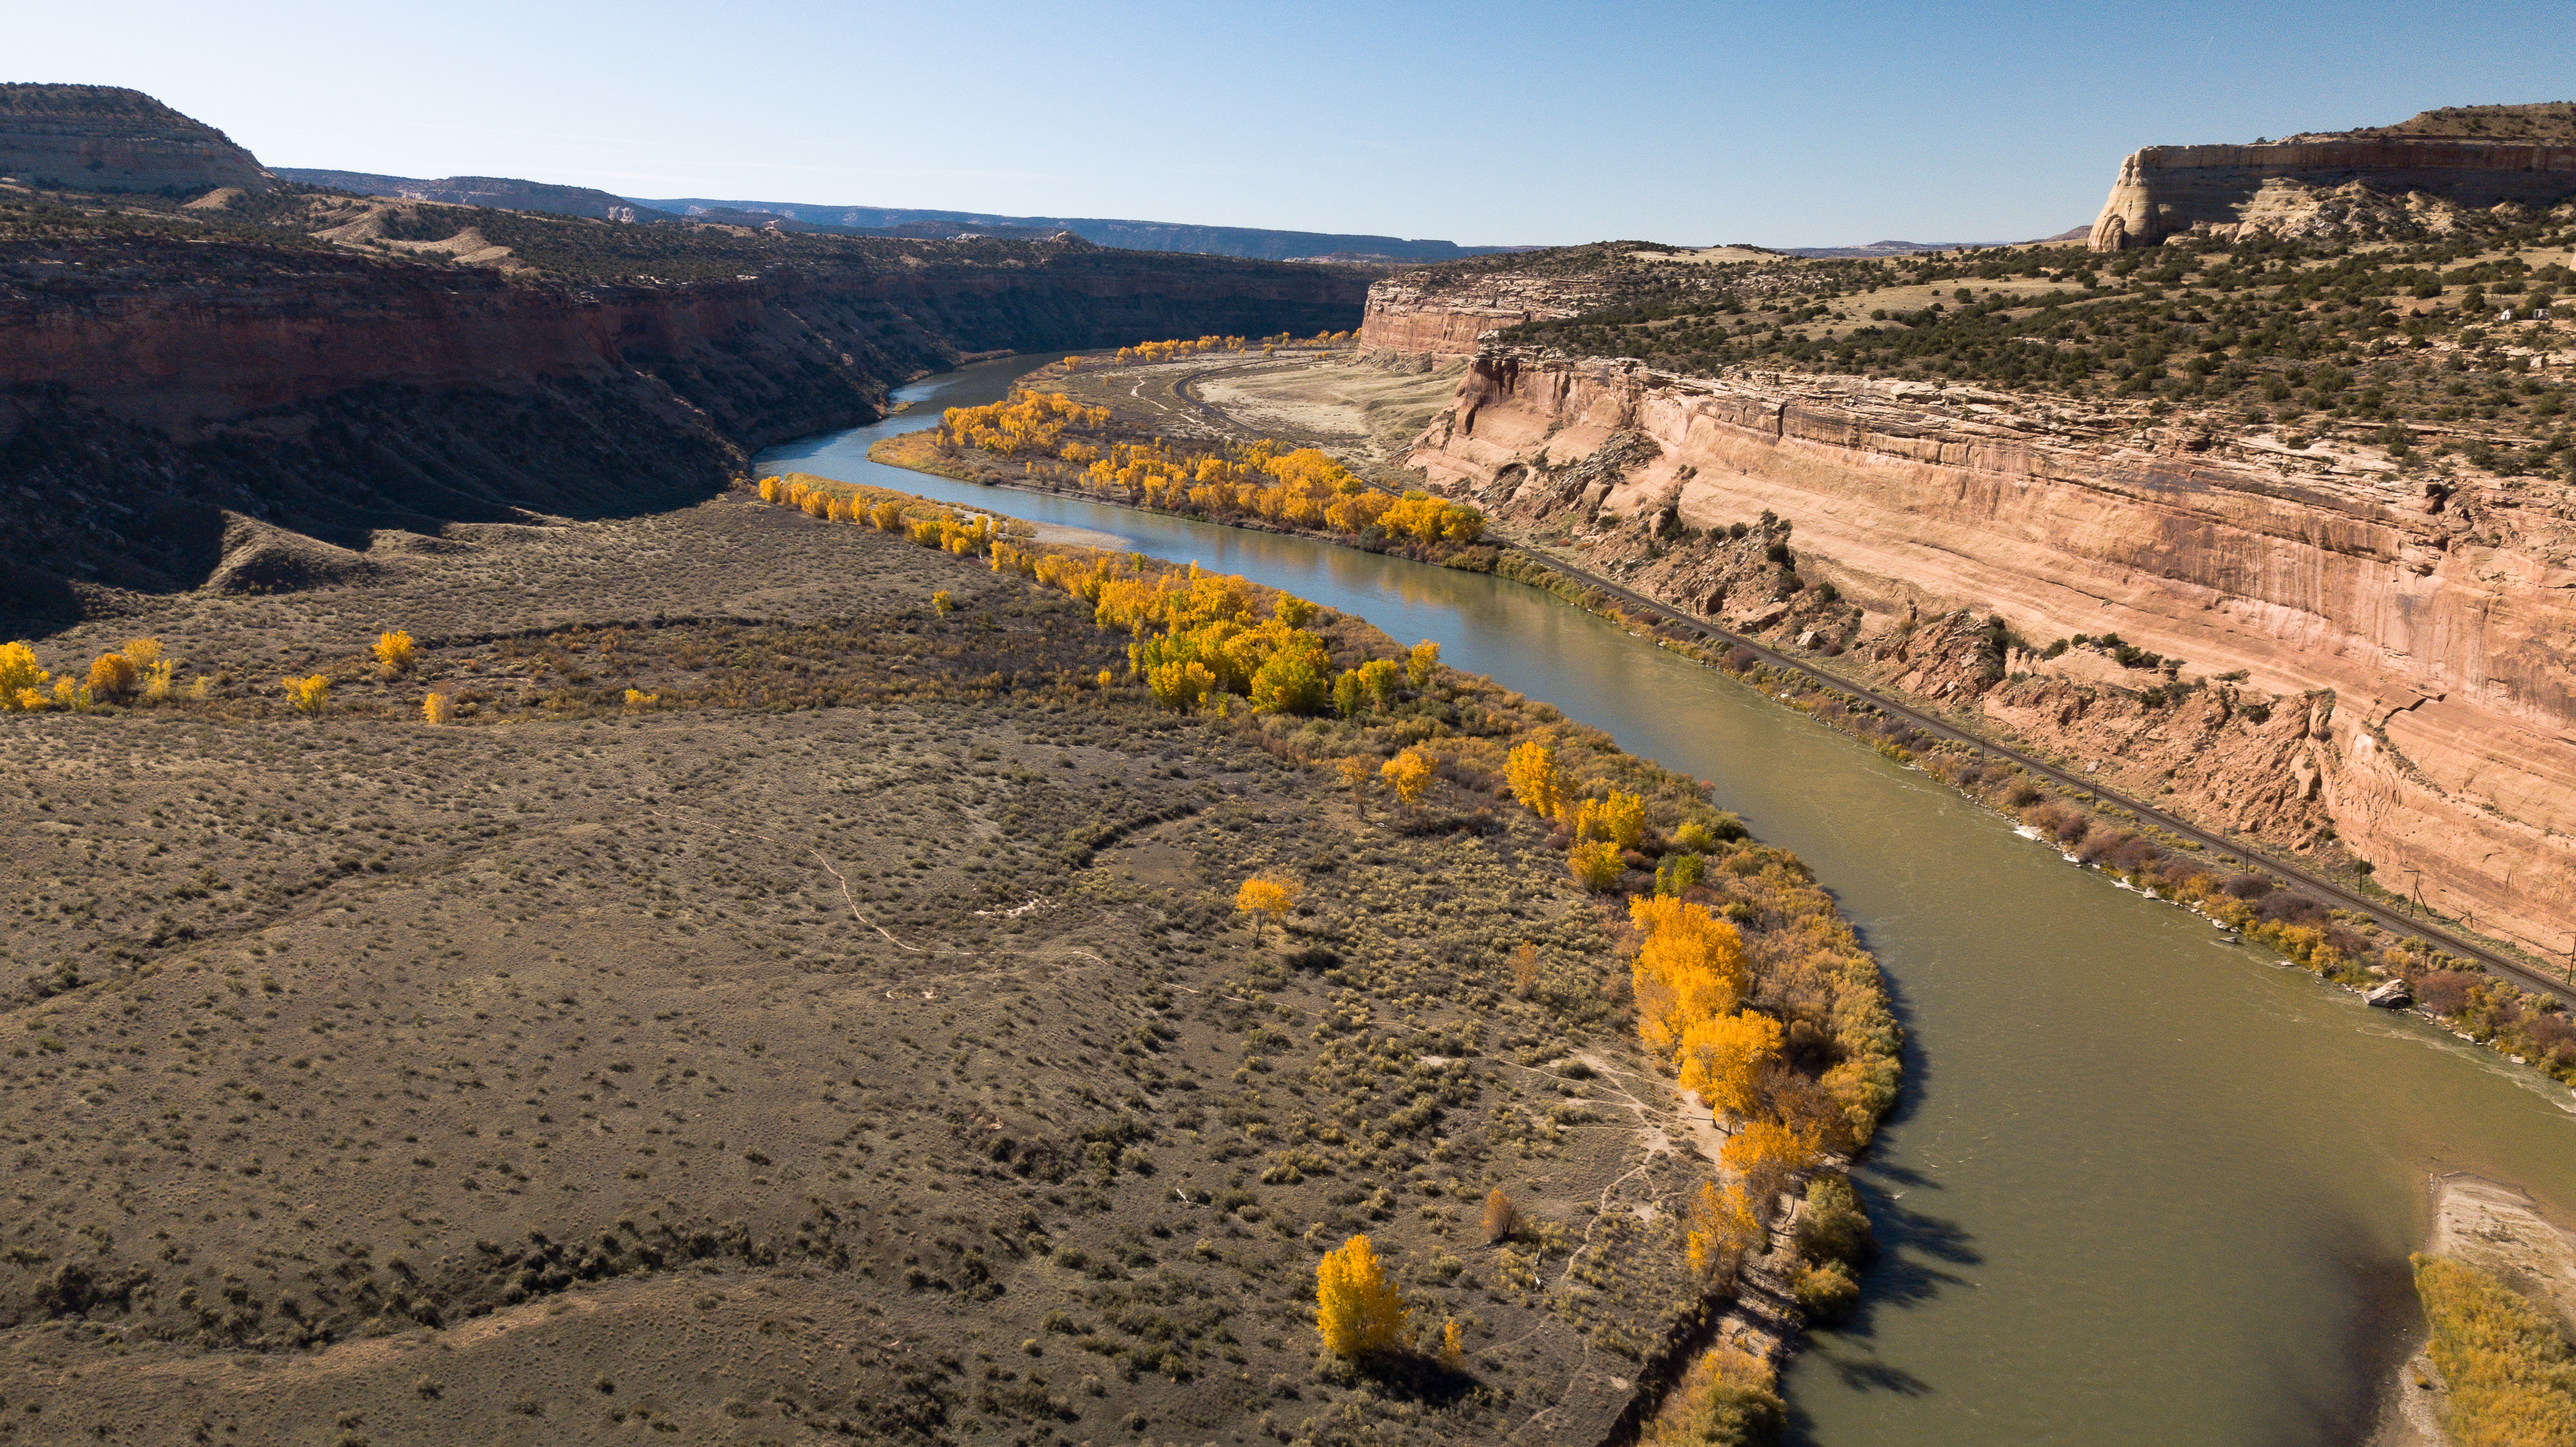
(1301, 487)
(393, 652)
(135, 673)
(1356, 1308)
(1689, 970)
(1409, 774)
(1266, 896)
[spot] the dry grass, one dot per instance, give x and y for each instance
(2510, 1370)
(790, 1055)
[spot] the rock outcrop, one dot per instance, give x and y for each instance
(2169, 190)
(1409, 317)
(2408, 652)
(107, 138)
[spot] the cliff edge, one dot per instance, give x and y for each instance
(2365, 182)
(106, 138)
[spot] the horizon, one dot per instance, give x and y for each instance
(1539, 128)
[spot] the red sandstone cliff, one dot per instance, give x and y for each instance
(2423, 644)
(153, 387)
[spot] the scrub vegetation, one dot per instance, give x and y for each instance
(2406, 342)
(737, 972)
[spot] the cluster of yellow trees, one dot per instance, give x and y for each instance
(1149, 352)
(1023, 421)
(1690, 982)
(1196, 637)
(967, 537)
(135, 673)
(1166, 351)
(1603, 829)
(1303, 488)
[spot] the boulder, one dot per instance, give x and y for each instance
(2390, 995)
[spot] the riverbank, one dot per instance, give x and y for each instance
(2082, 1058)
(2342, 937)
(2497, 1279)
(1463, 738)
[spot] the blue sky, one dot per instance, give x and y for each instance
(1490, 122)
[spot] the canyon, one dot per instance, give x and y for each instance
(255, 386)
(2405, 689)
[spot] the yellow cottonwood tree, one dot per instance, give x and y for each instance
(1764, 1144)
(1621, 819)
(1722, 1227)
(393, 652)
(1690, 969)
(1531, 770)
(1356, 1308)
(1722, 1058)
(309, 695)
(113, 676)
(1267, 895)
(1410, 774)
(20, 679)
(1419, 663)
(1595, 864)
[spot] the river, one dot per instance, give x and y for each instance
(2145, 1185)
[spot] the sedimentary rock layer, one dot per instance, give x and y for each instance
(162, 384)
(107, 138)
(2425, 637)
(2165, 190)
(1406, 317)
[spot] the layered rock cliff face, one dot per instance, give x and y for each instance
(155, 391)
(2168, 190)
(1407, 315)
(106, 138)
(2390, 663)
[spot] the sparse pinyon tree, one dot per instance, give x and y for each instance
(1267, 896)
(1356, 1308)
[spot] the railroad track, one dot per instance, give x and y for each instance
(2325, 888)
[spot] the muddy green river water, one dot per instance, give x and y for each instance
(2145, 1185)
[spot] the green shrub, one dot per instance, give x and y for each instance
(1826, 1293)
(1833, 1227)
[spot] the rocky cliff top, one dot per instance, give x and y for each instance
(2547, 121)
(109, 138)
(500, 192)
